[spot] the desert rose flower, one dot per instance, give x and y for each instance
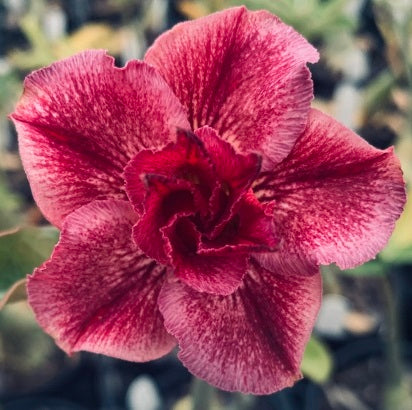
(197, 194)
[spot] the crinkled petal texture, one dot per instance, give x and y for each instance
(99, 292)
(198, 213)
(335, 197)
(252, 340)
(243, 73)
(82, 119)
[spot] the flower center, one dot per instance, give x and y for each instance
(198, 200)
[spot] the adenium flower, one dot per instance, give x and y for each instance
(197, 194)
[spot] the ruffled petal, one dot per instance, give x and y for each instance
(252, 340)
(236, 170)
(249, 229)
(98, 292)
(335, 197)
(217, 272)
(236, 173)
(82, 119)
(243, 73)
(167, 199)
(186, 160)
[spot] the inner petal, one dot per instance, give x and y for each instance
(186, 159)
(166, 198)
(198, 212)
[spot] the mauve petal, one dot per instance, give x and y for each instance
(335, 197)
(252, 340)
(243, 73)
(98, 292)
(213, 272)
(82, 119)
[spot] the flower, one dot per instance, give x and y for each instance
(197, 193)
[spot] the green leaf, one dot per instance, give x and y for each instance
(22, 250)
(317, 361)
(368, 269)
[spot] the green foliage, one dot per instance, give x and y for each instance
(9, 206)
(9, 88)
(317, 361)
(398, 256)
(22, 250)
(378, 93)
(372, 268)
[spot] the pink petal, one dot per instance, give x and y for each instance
(214, 272)
(252, 340)
(243, 73)
(336, 198)
(98, 292)
(82, 119)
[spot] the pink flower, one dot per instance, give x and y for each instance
(197, 193)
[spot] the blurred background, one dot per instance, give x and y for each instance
(360, 356)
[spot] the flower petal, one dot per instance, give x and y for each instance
(336, 198)
(243, 73)
(252, 340)
(167, 198)
(236, 173)
(98, 292)
(249, 229)
(186, 160)
(217, 272)
(82, 119)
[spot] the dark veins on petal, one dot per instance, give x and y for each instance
(197, 209)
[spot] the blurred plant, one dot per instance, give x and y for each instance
(317, 361)
(9, 206)
(21, 250)
(394, 20)
(9, 86)
(44, 50)
(399, 249)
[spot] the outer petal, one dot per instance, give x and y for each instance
(242, 73)
(82, 119)
(336, 197)
(253, 340)
(98, 292)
